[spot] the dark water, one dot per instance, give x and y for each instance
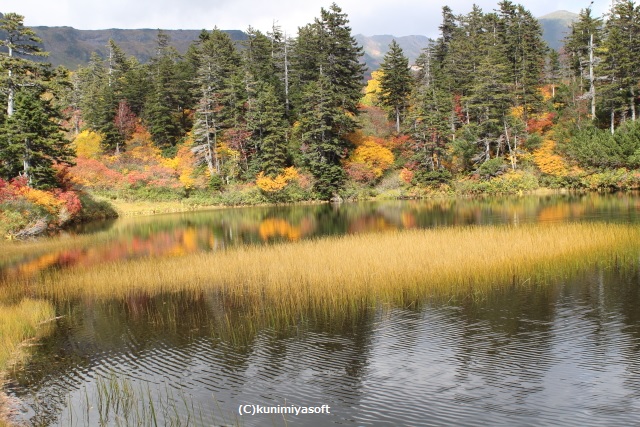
(563, 353)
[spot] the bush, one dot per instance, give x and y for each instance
(432, 178)
(492, 167)
(599, 148)
(512, 182)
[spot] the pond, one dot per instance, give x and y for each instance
(559, 353)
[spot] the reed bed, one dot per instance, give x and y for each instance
(393, 267)
(20, 322)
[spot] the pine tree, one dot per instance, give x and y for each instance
(218, 64)
(265, 119)
(329, 79)
(581, 45)
(620, 60)
(162, 110)
(395, 82)
(31, 141)
(17, 70)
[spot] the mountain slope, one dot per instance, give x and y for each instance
(71, 47)
(375, 47)
(555, 27)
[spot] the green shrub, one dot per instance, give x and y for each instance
(432, 178)
(599, 148)
(492, 167)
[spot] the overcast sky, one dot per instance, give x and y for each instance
(369, 17)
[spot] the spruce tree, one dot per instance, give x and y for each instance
(16, 68)
(218, 64)
(395, 82)
(330, 84)
(31, 140)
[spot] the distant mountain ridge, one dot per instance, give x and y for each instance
(556, 27)
(72, 48)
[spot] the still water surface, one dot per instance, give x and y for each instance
(567, 353)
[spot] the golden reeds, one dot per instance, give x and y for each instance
(19, 322)
(383, 267)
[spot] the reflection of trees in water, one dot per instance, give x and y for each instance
(504, 346)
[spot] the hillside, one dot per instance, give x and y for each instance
(375, 47)
(71, 47)
(555, 27)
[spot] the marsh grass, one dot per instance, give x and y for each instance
(119, 401)
(357, 270)
(20, 322)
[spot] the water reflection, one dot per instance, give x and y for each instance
(179, 234)
(563, 354)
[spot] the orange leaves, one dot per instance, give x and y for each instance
(547, 161)
(540, 123)
(407, 175)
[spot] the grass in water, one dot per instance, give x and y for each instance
(19, 323)
(388, 267)
(119, 401)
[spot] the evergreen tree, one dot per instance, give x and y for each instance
(31, 141)
(331, 83)
(395, 82)
(16, 69)
(580, 46)
(162, 110)
(218, 63)
(265, 119)
(620, 60)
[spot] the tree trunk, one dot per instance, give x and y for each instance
(397, 119)
(613, 121)
(26, 162)
(592, 87)
(632, 104)
(10, 96)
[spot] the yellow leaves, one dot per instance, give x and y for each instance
(87, 145)
(271, 185)
(373, 155)
(546, 92)
(43, 198)
(517, 112)
(373, 88)
(547, 161)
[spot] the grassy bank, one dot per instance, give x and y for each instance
(338, 271)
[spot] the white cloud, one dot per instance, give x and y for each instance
(400, 17)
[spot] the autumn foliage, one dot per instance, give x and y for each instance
(141, 166)
(370, 158)
(272, 185)
(547, 161)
